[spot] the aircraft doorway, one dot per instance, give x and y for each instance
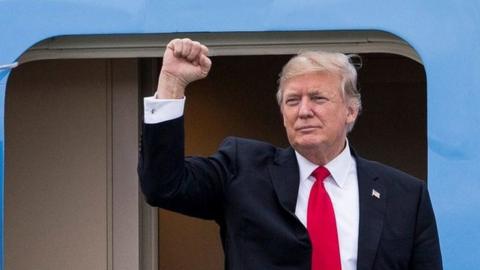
(238, 98)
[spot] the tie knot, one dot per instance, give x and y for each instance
(321, 173)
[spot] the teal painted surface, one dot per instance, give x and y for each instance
(3, 77)
(2, 154)
(444, 33)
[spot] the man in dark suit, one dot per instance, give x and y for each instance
(315, 205)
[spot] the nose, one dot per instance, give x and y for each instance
(305, 108)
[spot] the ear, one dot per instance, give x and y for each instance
(352, 113)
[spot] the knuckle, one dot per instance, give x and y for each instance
(205, 49)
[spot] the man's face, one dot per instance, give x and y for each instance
(315, 115)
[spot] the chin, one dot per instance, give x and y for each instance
(306, 145)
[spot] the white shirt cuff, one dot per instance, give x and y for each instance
(161, 110)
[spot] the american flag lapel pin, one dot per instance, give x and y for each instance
(375, 194)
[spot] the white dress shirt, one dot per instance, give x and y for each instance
(341, 185)
(160, 110)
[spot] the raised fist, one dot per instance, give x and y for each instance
(184, 61)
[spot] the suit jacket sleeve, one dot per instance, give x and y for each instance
(193, 186)
(426, 249)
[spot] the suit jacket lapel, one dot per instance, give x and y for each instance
(373, 196)
(285, 178)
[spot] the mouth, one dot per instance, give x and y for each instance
(307, 128)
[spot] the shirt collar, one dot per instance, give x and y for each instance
(338, 167)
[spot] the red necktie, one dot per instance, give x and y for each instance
(321, 225)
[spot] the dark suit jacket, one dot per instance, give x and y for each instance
(250, 189)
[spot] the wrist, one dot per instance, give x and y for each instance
(170, 87)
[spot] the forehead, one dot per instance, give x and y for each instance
(320, 81)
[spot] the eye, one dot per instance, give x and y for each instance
(292, 101)
(319, 99)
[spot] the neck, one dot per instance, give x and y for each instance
(321, 156)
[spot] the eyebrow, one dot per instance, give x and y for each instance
(314, 91)
(309, 92)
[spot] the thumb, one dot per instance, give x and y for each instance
(205, 64)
